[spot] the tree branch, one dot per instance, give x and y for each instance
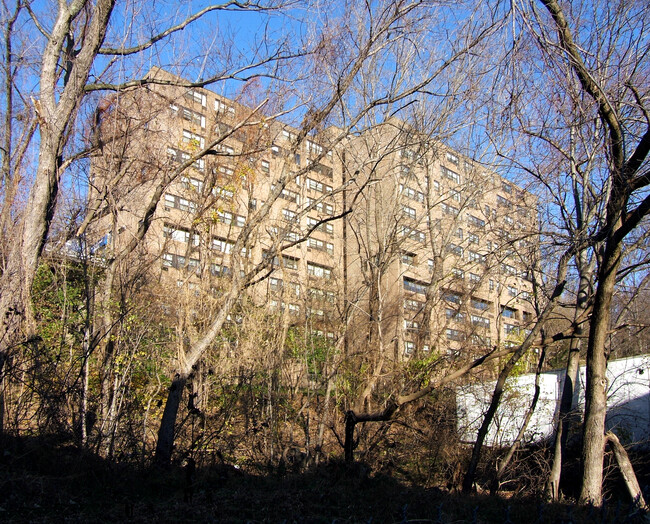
(239, 6)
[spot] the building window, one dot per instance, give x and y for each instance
(228, 218)
(473, 256)
(274, 304)
(314, 312)
(315, 185)
(452, 158)
(322, 295)
(227, 150)
(189, 115)
(177, 202)
(508, 312)
(288, 215)
(472, 238)
(451, 175)
(179, 262)
(478, 340)
(450, 296)
(475, 221)
(458, 273)
(454, 315)
(455, 249)
(290, 262)
(414, 286)
(318, 271)
(289, 195)
(449, 209)
(286, 261)
(511, 329)
(413, 234)
(275, 284)
(504, 202)
(474, 278)
(193, 140)
(219, 270)
(454, 334)
(324, 227)
(482, 305)
(196, 96)
(266, 166)
(224, 109)
(408, 212)
(411, 325)
(226, 171)
(512, 291)
(408, 258)
(411, 193)
(182, 156)
(289, 135)
(409, 347)
(479, 321)
(313, 148)
(315, 243)
(222, 245)
(321, 207)
(223, 192)
(506, 187)
(408, 154)
(180, 235)
(323, 170)
(412, 305)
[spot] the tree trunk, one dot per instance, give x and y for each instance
(563, 425)
(324, 417)
(190, 358)
(165, 445)
(596, 388)
(83, 408)
(352, 418)
(522, 430)
(470, 475)
(56, 111)
(627, 471)
(566, 418)
(350, 423)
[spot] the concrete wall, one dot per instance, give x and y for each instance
(628, 412)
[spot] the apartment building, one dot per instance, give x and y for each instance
(382, 236)
(446, 248)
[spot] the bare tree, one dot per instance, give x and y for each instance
(604, 136)
(362, 52)
(69, 46)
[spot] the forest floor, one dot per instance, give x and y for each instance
(45, 482)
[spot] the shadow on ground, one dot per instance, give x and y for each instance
(45, 480)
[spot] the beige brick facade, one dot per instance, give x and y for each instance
(435, 253)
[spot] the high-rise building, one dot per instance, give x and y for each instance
(383, 235)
